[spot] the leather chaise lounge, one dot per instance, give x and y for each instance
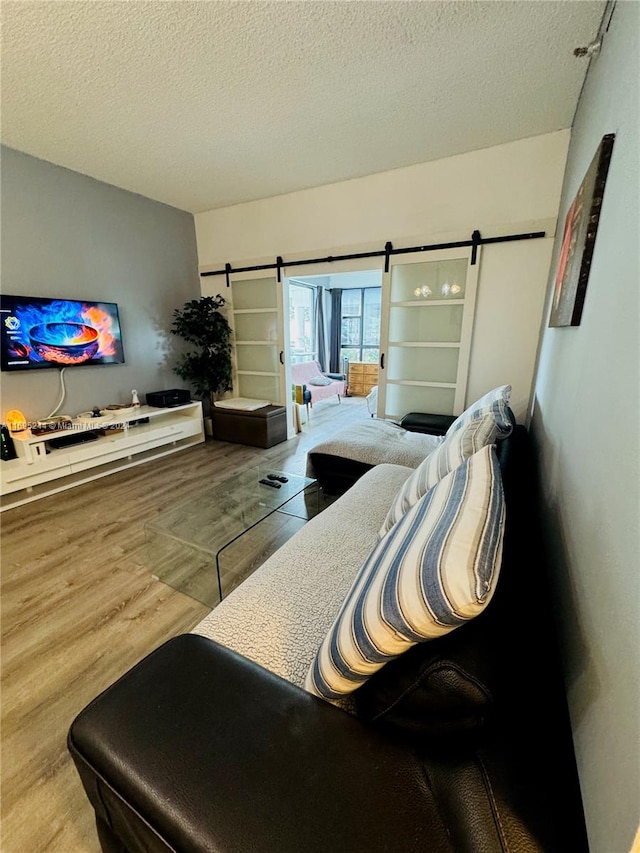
(461, 744)
(338, 462)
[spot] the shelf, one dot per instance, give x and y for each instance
(421, 383)
(443, 344)
(412, 303)
(255, 310)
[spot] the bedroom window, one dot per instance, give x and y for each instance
(301, 329)
(360, 324)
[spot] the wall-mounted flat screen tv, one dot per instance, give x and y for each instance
(37, 332)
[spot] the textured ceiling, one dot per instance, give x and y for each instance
(206, 104)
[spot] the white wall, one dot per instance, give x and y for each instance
(510, 188)
(585, 425)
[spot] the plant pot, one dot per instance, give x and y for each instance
(208, 427)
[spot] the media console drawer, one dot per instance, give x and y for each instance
(122, 443)
(26, 476)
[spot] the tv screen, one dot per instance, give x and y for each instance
(38, 332)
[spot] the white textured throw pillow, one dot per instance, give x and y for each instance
(435, 569)
(494, 402)
(472, 435)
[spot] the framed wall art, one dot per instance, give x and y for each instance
(580, 229)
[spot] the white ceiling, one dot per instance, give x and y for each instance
(207, 104)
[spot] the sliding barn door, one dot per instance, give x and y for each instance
(258, 332)
(428, 303)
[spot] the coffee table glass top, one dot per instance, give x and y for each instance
(183, 542)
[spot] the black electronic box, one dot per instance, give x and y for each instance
(167, 399)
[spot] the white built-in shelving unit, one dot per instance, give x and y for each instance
(259, 344)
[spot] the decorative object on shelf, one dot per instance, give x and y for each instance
(207, 365)
(96, 416)
(47, 425)
(424, 291)
(135, 400)
(450, 289)
(15, 420)
(119, 410)
(580, 229)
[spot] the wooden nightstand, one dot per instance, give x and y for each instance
(362, 378)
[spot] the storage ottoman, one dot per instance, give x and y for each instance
(260, 428)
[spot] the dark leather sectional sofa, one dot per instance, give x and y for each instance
(462, 744)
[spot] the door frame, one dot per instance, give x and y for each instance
(314, 270)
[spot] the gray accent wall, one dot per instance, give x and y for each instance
(585, 426)
(67, 235)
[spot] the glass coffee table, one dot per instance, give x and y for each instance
(185, 543)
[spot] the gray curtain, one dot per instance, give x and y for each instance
(321, 344)
(335, 331)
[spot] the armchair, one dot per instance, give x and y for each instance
(317, 385)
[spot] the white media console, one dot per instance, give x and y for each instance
(42, 469)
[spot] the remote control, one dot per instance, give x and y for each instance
(270, 483)
(278, 477)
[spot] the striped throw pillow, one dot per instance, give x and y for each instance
(495, 402)
(435, 569)
(472, 435)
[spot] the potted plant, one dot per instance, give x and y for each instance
(206, 365)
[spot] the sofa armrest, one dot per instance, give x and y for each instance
(426, 423)
(197, 748)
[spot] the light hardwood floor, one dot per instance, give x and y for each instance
(80, 607)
